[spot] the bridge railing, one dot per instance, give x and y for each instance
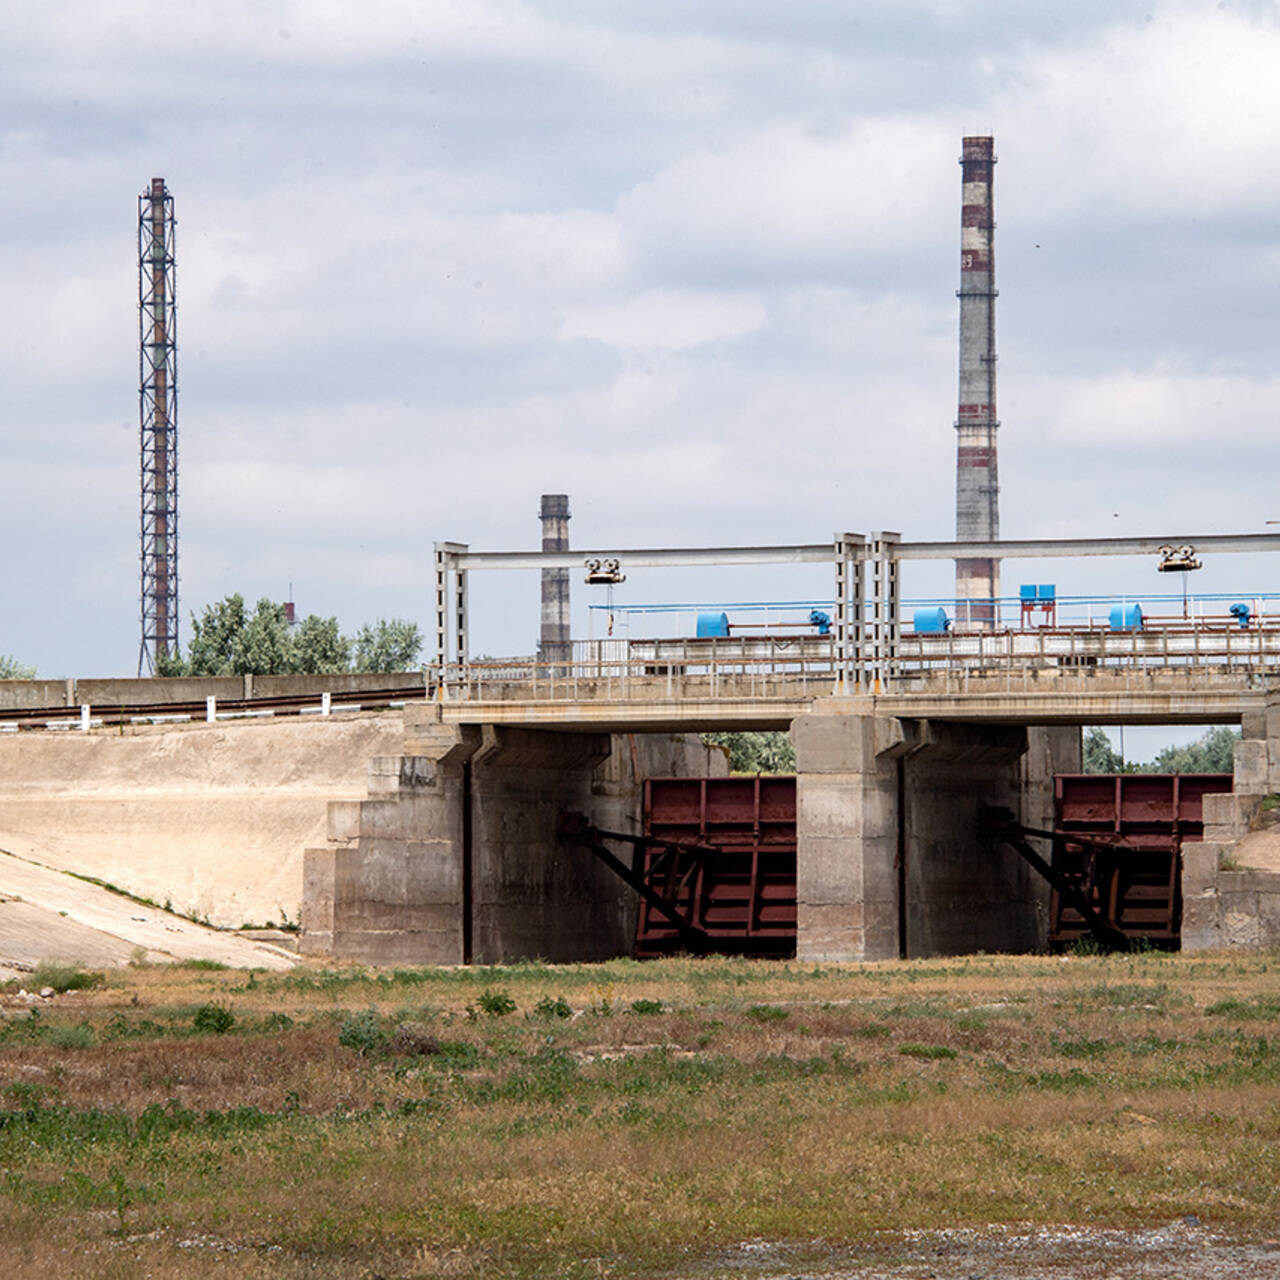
(782, 667)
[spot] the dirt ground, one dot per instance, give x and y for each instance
(1183, 1250)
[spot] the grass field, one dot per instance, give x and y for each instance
(625, 1119)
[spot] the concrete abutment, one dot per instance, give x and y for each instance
(1231, 879)
(454, 857)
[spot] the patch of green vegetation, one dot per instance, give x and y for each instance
(79, 1036)
(213, 966)
(214, 1019)
(1081, 1047)
(65, 977)
(926, 1051)
(766, 1013)
(496, 1003)
(647, 1008)
(364, 1033)
(1256, 1008)
(550, 1009)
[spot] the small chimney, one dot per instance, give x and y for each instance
(554, 643)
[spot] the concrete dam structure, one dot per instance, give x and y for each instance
(430, 832)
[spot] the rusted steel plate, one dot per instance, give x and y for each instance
(742, 891)
(1145, 818)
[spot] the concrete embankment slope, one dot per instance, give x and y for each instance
(51, 915)
(210, 818)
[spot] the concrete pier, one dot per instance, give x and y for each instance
(889, 857)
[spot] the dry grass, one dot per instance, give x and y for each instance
(757, 1101)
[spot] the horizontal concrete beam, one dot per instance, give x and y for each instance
(1121, 707)
(650, 716)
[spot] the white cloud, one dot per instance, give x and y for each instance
(666, 318)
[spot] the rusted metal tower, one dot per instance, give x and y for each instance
(977, 479)
(158, 411)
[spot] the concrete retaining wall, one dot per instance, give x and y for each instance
(1231, 880)
(154, 691)
(212, 818)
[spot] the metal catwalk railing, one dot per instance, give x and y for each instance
(781, 667)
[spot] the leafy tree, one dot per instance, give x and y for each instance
(1213, 752)
(1097, 753)
(756, 752)
(229, 640)
(391, 644)
(12, 669)
(215, 640)
(319, 648)
(266, 647)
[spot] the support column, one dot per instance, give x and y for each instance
(846, 836)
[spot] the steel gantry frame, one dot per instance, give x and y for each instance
(868, 623)
(158, 415)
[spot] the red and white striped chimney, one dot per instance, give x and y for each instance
(977, 479)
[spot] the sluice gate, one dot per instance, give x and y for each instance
(715, 865)
(1119, 837)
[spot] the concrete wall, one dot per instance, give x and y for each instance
(212, 818)
(155, 691)
(1231, 879)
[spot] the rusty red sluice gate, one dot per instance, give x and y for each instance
(725, 859)
(739, 882)
(1127, 859)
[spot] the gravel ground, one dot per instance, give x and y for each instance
(1180, 1251)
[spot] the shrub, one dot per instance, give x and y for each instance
(766, 1013)
(548, 1008)
(647, 1006)
(65, 977)
(363, 1032)
(214, 1018)
(497, 1004)
(78, 1037)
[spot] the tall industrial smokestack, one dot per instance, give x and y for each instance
(977, 479)
(554, 644)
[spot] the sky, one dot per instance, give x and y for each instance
(692, 262)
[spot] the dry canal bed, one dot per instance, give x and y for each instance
(1033, 1117)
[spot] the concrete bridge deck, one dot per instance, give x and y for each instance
(696, 703)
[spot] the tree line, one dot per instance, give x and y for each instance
(1212, 752)
(229, 639)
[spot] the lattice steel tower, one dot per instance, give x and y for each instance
(158, 411)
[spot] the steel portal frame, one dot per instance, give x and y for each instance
(867, 646)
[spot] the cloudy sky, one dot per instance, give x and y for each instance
(691, 261)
